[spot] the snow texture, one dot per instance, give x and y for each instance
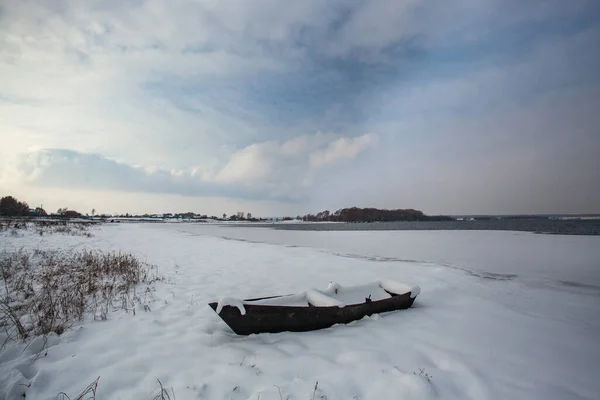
(318, 299)
(503, 315)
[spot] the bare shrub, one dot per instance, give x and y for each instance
(48, 291)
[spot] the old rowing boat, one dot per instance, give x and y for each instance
(314, 309)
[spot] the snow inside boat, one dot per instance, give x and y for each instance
(314, 309)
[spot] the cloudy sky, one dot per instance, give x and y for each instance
(284, 108)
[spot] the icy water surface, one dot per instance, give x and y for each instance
(548, 226)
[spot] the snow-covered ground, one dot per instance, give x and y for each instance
(500, 315)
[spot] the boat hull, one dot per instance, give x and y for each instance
(273, 319)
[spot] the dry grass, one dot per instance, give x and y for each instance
(163, 393)
(48, 227)
(48, 291)
(89, 393)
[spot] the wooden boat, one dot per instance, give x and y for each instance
(314, 309)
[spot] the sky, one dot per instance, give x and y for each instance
(285, 108)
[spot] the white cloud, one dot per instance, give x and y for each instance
(341, 149)
(74, 75)
(295, 160)
(271, 170)
(254, 163)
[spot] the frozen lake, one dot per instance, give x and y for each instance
(501, 315)
(567, 226)
(534, 258)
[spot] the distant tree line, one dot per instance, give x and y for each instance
(11, 207)
(355, 214)
(65, 212)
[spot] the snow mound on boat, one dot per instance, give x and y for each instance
(336, 295)
(230, 301)
(293, 300)
(318, 299)
(334, 287)
(400, 288)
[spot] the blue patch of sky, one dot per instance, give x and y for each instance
(315, 83)
(503, 48)
(199, 48)
(507, 45)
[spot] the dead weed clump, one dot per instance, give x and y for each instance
(163, 393)
(89, 393)
(48, 227)
(73, 229)
(48, 291)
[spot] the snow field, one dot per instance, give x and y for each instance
(466, 337)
